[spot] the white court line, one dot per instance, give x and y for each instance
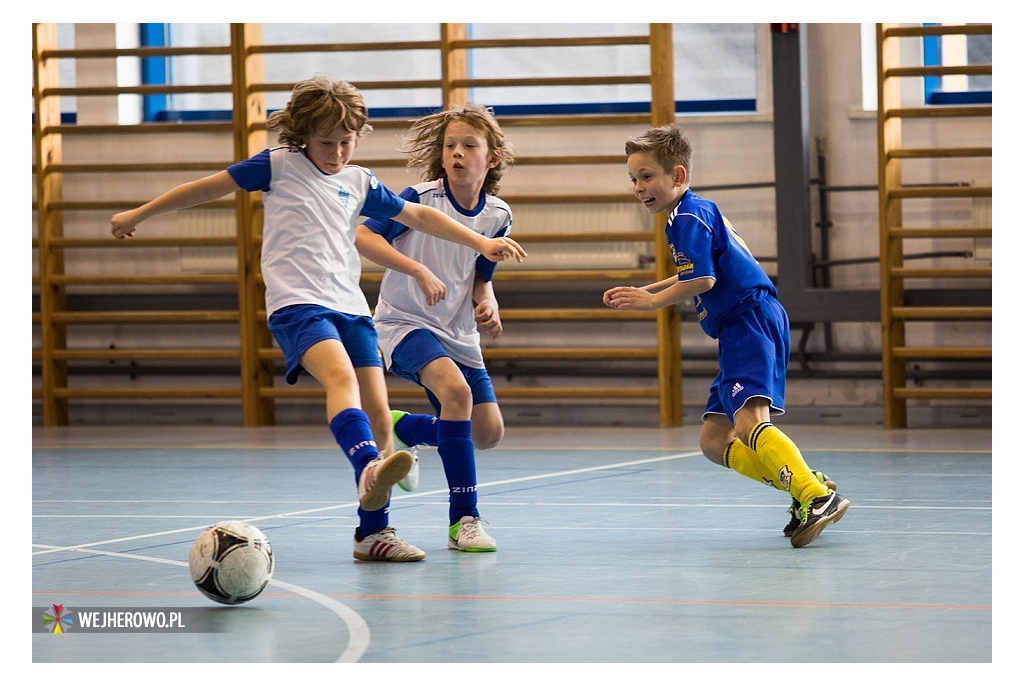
(522, 479)
(358, 630)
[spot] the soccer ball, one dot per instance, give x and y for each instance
(231, 562)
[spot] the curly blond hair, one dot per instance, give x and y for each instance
(424, 142)
(320, 103)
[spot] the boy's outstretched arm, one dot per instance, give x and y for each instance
(122, 224)
(378, 250)
(438, 224)
(656, 295)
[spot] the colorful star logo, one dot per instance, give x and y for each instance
(57, 619)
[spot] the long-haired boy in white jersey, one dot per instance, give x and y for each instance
(436, 298)
(312, 200)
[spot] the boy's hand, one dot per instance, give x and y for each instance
(628, 297)
(500, 249)
(487, 319)
(122, 225)
(433, 287)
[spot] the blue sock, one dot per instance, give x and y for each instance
(371, 522)
(417, 429)
(455, 447)
(351, 429)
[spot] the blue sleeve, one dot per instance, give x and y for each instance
(380, 202)
(485, 267)
(690, 242)
(389, 228)
(253, 173)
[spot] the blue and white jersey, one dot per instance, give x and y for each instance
(402, 307)
(309, 227)
(703, 243)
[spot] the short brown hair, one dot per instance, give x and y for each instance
(320, 103)
(424, 143)
(667, 144)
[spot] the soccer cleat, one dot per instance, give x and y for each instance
(385, 545)
(467, 535)
(794, 508)
(412, 479)
(379, 475)
(816, 514)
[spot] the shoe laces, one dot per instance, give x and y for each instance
(472, 527)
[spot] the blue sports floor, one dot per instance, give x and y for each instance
(616, 546)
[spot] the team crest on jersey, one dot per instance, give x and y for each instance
(682, 262)
(343, 195)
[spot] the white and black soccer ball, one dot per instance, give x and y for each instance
(231, 562)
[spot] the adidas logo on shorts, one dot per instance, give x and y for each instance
(736, 389)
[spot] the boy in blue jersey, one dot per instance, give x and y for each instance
(436, 297)
(736, 304)
(312, 201)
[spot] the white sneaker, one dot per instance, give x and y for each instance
(468, 536)
(385, 545)
(412, 479)
(379, 475)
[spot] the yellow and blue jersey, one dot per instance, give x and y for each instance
(703, 244)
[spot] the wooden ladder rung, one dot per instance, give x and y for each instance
(940, 313)
(154, 316)
(575, 314)
(176, 279)
(596, 237)
(943, 30)
(939, 192)
(565, 353)
(941, 272)
(576, 393)
(942, 352)
(936, 232)
(148, 353)
(958, 70)
(943, 393)
(930, 153)
(620, 275)
(148, 393)
(937, 112)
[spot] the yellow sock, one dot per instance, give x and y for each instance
(782, 457)
(745, 461)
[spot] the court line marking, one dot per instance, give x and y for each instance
(358, 629)
(414, 495)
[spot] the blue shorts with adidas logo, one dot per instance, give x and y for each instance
(753, 353)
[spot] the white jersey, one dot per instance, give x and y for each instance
(402, 307)
(309, 228)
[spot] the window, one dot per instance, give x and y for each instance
(958, 50)
(967, 50)
(715, 67)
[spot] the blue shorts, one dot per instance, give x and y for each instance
(753, 353)
(298, 327)
(418, 349)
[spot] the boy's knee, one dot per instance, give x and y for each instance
(488, 437)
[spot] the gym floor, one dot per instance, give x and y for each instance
(616, 546)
